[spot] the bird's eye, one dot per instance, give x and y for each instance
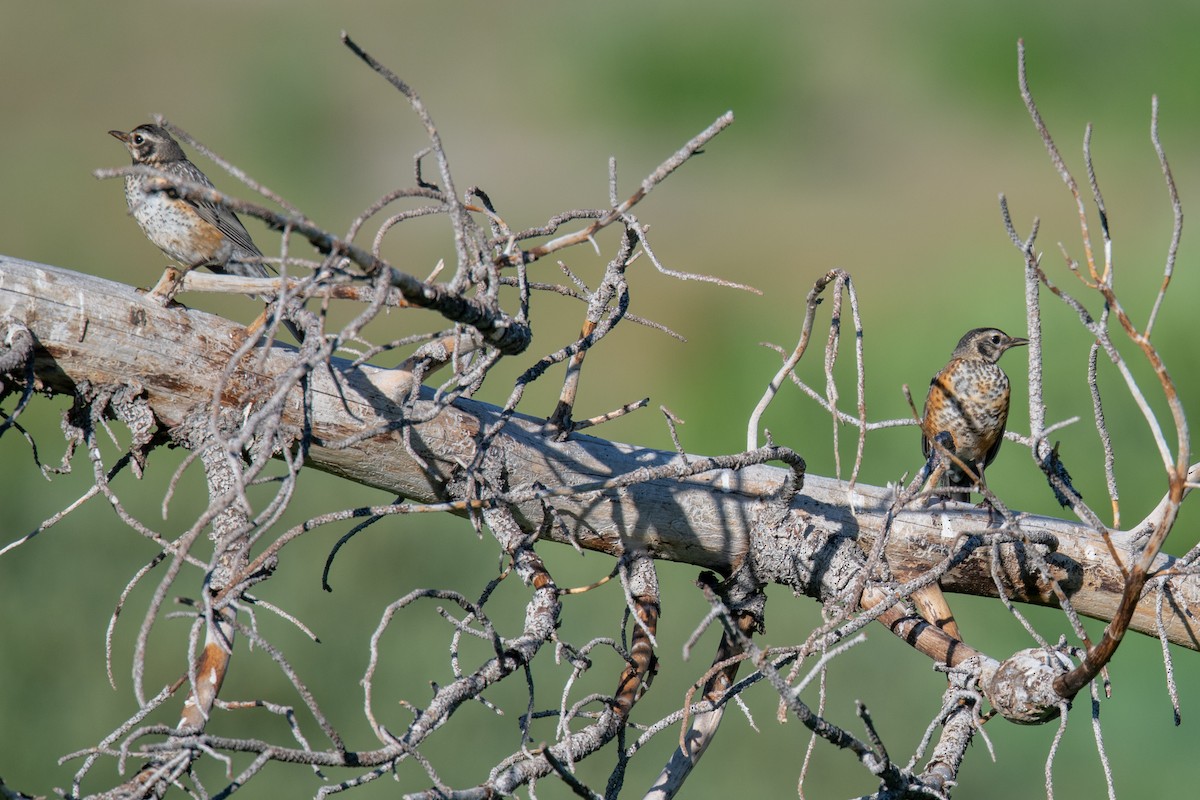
(138, 138)
(995, 338)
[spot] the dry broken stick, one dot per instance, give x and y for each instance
(1175, 465)
(601, 317)
(459, 218)
(743, 601)
(619, 211)
(873, 758)
(840, 279)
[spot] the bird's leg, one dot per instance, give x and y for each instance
(931, 485)
(271, 310)
(981, 485)
(254, 327)
(941, 447)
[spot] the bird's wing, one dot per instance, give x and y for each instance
(934, 386)
(225, 220)
(990, 456)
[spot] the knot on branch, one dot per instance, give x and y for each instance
(129, 404)
(126, 402)
(813, 560)
(16, 358)
(1022, 688)
(16, 347)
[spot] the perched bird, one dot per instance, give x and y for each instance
(193, 233)
(966, 409)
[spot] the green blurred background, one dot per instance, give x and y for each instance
(874, 137)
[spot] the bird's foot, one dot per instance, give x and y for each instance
(994, 518)
(255, 327)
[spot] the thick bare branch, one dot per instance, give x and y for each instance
(706, 520)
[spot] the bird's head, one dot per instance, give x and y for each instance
(987, 344)
(150, 144)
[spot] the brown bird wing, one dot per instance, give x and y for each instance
(935, 386)
(225, 220)
(228, 224)
(990, 456)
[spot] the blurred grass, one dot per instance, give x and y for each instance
(872, 138)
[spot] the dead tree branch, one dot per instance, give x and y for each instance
(251, 413)
(177, 355)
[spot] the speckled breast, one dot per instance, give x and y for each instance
(974, 406)
(174, 226)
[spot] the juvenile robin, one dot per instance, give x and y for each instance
(966, 409)
(193, 233)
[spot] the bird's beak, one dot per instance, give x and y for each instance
(1017, 341)
(122, 135)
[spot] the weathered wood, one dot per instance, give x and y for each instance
(103, 332)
